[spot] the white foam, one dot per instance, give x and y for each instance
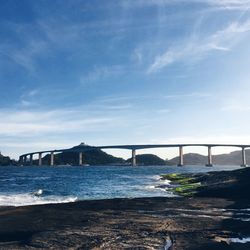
(168, 244)
(26, 199)
(156, 177)
(238, 240)
(150, 187)
(39, 192)
(166, 181)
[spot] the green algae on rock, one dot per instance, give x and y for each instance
(186, 184)
(186, 189)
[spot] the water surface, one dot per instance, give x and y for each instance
(40, 185)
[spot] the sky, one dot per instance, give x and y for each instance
(123, 72)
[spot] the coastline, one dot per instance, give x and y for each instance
(201, 221)
(141, 223)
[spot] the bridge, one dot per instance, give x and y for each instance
(80, 149)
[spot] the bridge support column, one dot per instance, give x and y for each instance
(181, 162)
(209, 157)
(133, 158)
(40, 159)
(244, 162)
(20, 160)
(80, 158)
(52, 159)
(31, 159)
(25, 160)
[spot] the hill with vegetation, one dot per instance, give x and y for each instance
(148, 159)
(91, 157)
(233, 158)
(190, 159)
(6, 161)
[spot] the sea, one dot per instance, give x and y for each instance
(33, 185)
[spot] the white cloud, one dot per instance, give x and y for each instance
(194, 94)
(223, 4)
(26, 103)
(236, 103)
(195, 49)
(32, 92)
(228, 4)
(235, 108)
(137, 56)
(25, 56)
(31, 123)
(27, 99)
(100, 73)
(163, 111)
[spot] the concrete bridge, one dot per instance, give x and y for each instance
(28, 158)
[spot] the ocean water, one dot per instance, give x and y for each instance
(41, 185)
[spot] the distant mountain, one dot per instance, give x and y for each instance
(91, 157)
(233, 158)
(148, 159)
(191, 159)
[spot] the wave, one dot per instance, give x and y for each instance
(35, 198)
(159, 179)
(240, 240)
(159, 184)
(149, 187)
(156, 177)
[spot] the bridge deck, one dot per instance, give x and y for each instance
(135, 147)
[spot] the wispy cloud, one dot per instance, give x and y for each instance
(163, 111)
(25, 56)
(137, 56)
(28, 98)
(196, 49)
(235, 108)
(225, 4)
(228, 4)
(187, 95)
(100, 73)
(31, 123)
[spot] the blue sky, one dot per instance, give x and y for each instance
(123, 72)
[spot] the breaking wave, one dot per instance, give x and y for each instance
(34, 198)
(160, 185)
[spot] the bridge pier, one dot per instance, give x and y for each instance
(20, 160)
(243, 153)
(80, 159)
(209, 157)
(181, 161)
(40, 159)
(52, 159)
(31, 159)
(133, 157)
(25, 160)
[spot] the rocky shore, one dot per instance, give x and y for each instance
(215, 216)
